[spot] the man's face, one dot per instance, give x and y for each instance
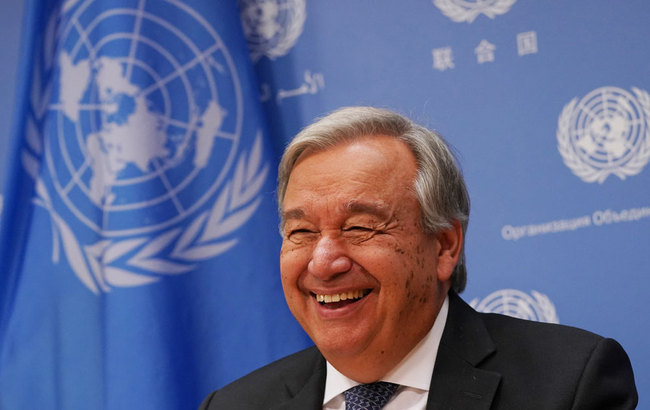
(358, 272)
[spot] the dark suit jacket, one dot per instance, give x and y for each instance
(485, 361)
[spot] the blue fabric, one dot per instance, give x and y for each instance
(139, 239)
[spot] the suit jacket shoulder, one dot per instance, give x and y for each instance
(294, 382)
(497, 362)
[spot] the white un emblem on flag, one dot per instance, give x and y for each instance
(272, 27)
(133, 140)
(605, 133)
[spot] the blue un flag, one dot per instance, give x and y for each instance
(139, 237)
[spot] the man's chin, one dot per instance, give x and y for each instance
(341, 344)
(358, 361)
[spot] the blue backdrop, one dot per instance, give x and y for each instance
(138, 238)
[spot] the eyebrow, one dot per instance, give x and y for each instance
(353, 207)
(296, 213)
(373, 208)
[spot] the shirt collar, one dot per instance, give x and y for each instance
(415, 370)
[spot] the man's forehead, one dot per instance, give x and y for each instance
(361, 142)
(351, 207)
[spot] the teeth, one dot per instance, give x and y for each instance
(354, 294)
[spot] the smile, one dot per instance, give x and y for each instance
(352, 295)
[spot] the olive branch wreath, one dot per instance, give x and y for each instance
(459, 13)
(173, 251)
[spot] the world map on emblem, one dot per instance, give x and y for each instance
(147, 115)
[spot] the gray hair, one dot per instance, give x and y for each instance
(439, 184)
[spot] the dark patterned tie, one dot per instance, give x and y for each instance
(371, 396)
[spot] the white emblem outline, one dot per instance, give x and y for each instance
(201, 239)
(288, 34)
(588, 172)
(515, 303)
(461, 11)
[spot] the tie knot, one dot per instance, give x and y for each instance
(372, 396)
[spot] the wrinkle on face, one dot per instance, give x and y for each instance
(359, 223)
(352, 221)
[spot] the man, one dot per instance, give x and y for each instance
(374, 212)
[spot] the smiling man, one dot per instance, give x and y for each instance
(374, 211)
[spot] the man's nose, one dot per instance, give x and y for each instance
(329, 258)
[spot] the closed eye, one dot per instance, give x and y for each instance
(301, 235)
(358, 234)
(298, 231)
(358, 228)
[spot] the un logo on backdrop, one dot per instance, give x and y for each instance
(272, 27)
(605, 133)
(468, 10)
(515, 303)
(140, 133)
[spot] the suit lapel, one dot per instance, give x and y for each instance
(306, 393)
(457, 383)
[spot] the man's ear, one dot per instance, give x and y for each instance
(450, 244)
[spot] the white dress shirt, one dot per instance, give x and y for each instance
(413, 374)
